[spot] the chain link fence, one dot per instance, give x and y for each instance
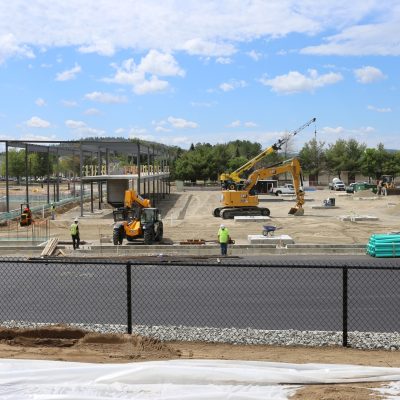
(245, 300)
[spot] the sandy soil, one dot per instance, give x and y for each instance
(188, 215)
(67, 344)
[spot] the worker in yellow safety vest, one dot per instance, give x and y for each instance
(74, 229)
(223, 239)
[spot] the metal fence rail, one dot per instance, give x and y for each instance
(265, 296)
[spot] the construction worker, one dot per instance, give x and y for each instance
(223, 239)
(53, 211)
(74, 229)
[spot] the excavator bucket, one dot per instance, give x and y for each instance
(296, 211)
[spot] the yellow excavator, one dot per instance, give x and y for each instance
(244, 202)
(137, 219)
(235, 180)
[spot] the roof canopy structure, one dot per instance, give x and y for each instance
(144, 152)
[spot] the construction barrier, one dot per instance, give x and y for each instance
(384, 245)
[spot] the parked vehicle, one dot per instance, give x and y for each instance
(337, 184)
(287, 188)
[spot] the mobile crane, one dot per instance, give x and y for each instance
(137, 219)
(235, 179)
(244, 202)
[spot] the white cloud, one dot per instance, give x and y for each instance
(150, 86)
(101, 46)
(332, 131)
(107, 98)
(40, 102)
(232, 85)
(92, 111)
(201, 47)
(120, 131)
(378, 109)
(368, 74)
(81, 129)
(10, 47)
(254, 55)
(181, 123)
(72, 124)
(144, 77)
(238, 123)
(296, 82)
(162, 129)
(380, 39)
(224, 60)
(137, 131)
(69, 74)
(36, 122)
(161, 64)
(205, 28)
(234, 124)
(172, 122)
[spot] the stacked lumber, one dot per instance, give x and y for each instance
(50, 247)
(384, 245)
(193, 241)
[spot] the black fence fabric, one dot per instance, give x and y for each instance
(227, 295)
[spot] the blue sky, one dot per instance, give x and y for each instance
(182, 72)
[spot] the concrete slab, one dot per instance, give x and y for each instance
(323, 207)
(354, 218)
(367, 198)
(278, 239)
(251, 218)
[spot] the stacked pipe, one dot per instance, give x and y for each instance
(384, 245)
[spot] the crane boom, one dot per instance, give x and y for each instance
(235, 178)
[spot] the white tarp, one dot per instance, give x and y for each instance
(174, 379)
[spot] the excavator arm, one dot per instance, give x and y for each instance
(293, 167)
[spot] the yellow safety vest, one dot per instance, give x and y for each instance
(223, 235)
(74, 229)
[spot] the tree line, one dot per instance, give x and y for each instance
(204, 161)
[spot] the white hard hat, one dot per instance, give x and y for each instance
(76, 220)
(222, 226)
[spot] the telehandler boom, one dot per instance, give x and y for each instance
(235, 179)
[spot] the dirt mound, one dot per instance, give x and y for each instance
(115, 345)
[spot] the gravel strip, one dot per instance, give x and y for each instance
(358, 340)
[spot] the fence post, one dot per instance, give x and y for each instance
(345, 308)
(129, 296)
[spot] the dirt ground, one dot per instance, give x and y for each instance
(68, 344)
(188, 215)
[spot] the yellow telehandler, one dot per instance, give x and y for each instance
(137, 219)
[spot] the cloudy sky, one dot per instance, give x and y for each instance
(185, 71)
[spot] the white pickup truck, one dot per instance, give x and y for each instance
(287, 188)
(337, 184)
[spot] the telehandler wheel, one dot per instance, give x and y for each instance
(148, 236)
(117, 236)
(159, 233)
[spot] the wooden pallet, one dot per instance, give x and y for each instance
(50, 247)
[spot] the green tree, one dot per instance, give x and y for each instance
(312, 158)
(16, 164)
(344, 156)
